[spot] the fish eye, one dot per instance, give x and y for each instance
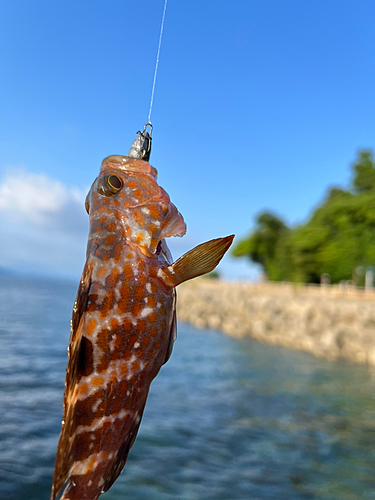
(114, 182)
(109, 185)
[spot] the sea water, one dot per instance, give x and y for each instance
(226, 419)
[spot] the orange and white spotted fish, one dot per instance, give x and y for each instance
(123, 324)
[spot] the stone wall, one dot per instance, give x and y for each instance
(330, 322)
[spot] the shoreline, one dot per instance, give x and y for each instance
(328, 321)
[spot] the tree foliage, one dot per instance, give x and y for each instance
(364, 172)
(338, 237)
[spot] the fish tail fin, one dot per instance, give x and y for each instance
(200, 260)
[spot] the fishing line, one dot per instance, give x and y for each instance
(157, 63)
(141, 146)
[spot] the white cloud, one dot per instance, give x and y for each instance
(43, 223)
(35, 197)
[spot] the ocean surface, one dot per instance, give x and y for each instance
(225, 419)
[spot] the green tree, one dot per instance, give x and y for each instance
(364, 171)
(337, 238)
(264, 245)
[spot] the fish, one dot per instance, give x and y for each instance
(123, 324)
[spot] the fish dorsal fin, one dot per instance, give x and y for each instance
(200, 260)
(81, 299)
(75, 362)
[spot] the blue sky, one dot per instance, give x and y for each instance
(258, 105)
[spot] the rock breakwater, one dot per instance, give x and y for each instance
(329, 322)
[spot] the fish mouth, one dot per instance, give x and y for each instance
(127, 164)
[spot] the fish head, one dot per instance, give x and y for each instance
(127, 191)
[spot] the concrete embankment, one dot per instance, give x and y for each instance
(327, 321)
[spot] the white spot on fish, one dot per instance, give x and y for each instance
(136, 344)
(145, 312)
(112, 343)
(95, 406)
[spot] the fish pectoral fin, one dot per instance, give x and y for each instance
(200, 260)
